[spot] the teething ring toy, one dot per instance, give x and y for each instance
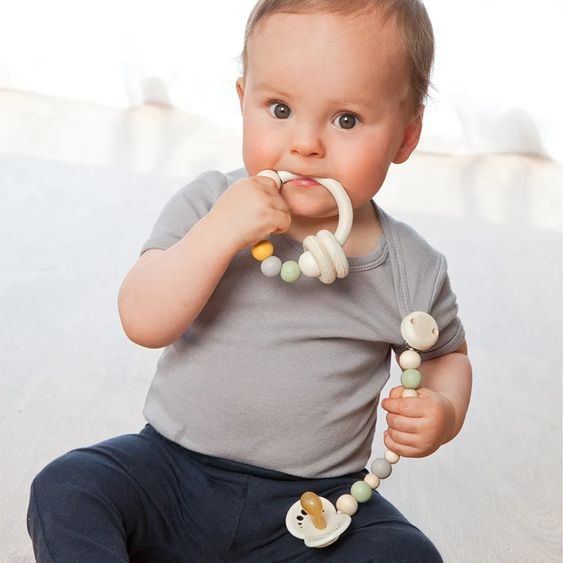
(323, 256)
(313, 518)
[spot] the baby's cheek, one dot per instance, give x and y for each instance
(365, 181)
(257, 155)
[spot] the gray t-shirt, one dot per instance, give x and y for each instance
(288, 376)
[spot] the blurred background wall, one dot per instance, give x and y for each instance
(497, 73)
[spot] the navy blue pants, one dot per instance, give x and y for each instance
(143, 498)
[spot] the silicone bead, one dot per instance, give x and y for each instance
(409, 359)
(271, 267)
(361, 491)
(391, 457)
(372, 480)
(381, 467)
(419, 330)
(290, 271)
(262, 250)
(409, 393)
(411, 378)
(347, 504)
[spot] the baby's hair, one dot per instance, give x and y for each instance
(410, 17)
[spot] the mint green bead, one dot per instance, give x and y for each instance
(290, 271)
(411, 378)
(361, 491)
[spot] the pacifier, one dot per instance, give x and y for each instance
(323, 256)
(314, 520)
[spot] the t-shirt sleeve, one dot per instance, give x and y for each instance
(429, 290)
(185, 208)
(443, 307)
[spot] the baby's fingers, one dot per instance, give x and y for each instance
(400, 443)
(403, 423)
(407, 406)
(282, 221)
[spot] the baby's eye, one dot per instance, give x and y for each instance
(279, 110)
(346, 121)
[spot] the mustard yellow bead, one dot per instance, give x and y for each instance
(262, 250)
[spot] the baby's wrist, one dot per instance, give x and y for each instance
(219, 238)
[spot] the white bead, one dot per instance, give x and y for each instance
(391, 457)
(271, 267)
(308, 265)
(410, 360)
(347, 504)
(419, 330)
(372, 480)
(409, 393)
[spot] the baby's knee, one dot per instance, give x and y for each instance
(61, 473)
(406, 543)
(55, 482)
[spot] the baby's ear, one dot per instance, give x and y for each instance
(240, 91)
(411, 137)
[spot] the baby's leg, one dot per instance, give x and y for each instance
(379, 532)
(118, 501)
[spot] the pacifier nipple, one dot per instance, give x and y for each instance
(312, 505)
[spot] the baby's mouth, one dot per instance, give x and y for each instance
(303, 182)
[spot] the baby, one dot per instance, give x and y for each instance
(267, 389)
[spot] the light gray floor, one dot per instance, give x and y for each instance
(80, 187)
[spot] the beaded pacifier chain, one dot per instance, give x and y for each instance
(312, 518)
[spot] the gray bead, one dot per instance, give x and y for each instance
(381, 467)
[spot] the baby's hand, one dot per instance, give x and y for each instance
(418, 426)
(250, 210)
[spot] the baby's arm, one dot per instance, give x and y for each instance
(419, 426)
(167, 289)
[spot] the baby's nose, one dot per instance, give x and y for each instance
(306, 141)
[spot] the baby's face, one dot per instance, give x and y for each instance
(325, 95)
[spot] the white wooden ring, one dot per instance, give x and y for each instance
(345, 211)
(323, 256)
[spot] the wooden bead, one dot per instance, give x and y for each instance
(262, 250)
(409, 360)
(372, 480)
(347, 504)
(391, 457)
(309, 265)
